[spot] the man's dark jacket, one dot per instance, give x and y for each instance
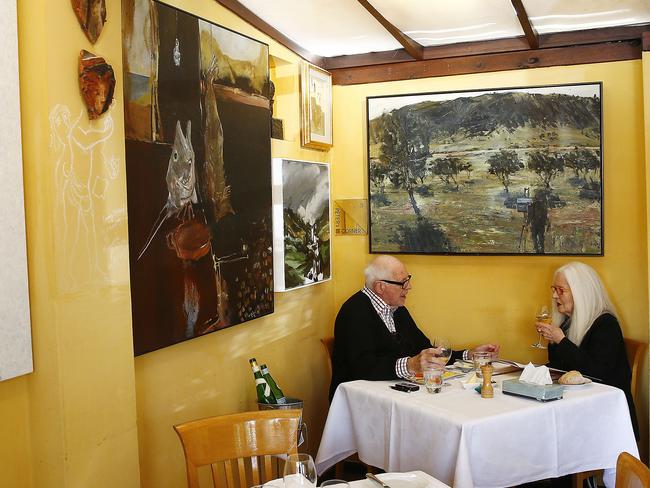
(364, 349)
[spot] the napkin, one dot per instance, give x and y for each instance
(536, 376)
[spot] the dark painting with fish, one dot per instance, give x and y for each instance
(198, 175)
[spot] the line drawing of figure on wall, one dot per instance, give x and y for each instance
(83, 173)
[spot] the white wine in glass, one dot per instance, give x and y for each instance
(444, 353)
(543, 315)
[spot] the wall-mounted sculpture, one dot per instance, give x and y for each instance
(91, 15)
(97, 83)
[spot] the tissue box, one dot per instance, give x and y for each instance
(541, 393)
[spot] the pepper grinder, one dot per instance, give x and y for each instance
(487, 390)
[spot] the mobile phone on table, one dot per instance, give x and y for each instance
(406, 387)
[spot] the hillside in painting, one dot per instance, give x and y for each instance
(445, 175)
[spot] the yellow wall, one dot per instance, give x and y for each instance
(91, 415)
(473, 299)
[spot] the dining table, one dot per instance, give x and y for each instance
(465, 440)
(411, 479)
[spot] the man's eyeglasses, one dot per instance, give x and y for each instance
(403, 283)
(559, 290)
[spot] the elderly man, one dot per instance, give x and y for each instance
(375, 337)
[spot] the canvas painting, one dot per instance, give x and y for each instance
(198, 175)
(503, 171)
(301, 223)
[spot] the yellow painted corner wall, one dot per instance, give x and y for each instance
(474, 299)
(73, 421)
(211, 375)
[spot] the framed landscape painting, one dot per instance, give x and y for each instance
(316, 107)
(301, 223)
(500, 171)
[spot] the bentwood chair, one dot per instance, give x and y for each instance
(239, 447)
(631, 473)
(635, 352)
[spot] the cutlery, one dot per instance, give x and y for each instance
(376, 480)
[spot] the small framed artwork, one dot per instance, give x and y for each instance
(301, 223)
(316, 107)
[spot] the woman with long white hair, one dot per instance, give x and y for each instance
(585, 334)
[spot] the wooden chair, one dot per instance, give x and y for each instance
(631, 473)
(237, 440)
(635, 352)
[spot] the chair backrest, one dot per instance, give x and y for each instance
(238, 440)
(635, 351)
(631, 473)
(328, 344)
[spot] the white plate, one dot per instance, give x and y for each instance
(587, 381)
(402, 480)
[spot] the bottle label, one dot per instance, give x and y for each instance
(267, 388)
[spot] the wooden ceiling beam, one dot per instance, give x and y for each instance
(560, 56)
(560, 39)
(245, 14)
(529, 30)
(413, 48)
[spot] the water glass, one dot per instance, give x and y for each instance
(433, 378)
(481, 358)
(333, 483)
(299, 471)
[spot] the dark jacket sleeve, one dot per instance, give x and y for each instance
(599, 354)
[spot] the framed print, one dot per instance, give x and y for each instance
(301, 223)
(316, 107)
(491, 171)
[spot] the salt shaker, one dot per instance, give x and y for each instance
(487, 390)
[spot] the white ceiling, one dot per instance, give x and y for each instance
(339, 27)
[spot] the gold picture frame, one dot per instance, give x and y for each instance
(316, 107)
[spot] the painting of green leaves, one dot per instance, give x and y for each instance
(502, 171)
(301, 223)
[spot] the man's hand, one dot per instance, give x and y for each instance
(427, 357)
(494, 348)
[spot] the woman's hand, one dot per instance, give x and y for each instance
(493, 348)
(550, 332)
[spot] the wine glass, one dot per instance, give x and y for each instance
(443, 354)
(543, 315)
(299, 471)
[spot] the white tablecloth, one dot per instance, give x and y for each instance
(468, 441)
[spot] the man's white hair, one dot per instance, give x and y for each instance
(590, 299)
(381, 268)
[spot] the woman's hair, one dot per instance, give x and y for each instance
(590, 299)
(380, 268)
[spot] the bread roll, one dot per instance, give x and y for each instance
(571, 378)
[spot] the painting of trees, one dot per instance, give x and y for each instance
(457, 172)
(504, 164)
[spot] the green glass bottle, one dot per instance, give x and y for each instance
(264, 394)
(275, 389)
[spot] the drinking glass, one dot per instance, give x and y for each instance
(332, 483)
(543, 315)
(299, 471)
(433, 378)
(481, 358)
(443, 354)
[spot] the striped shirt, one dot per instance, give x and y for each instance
(385, 313)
